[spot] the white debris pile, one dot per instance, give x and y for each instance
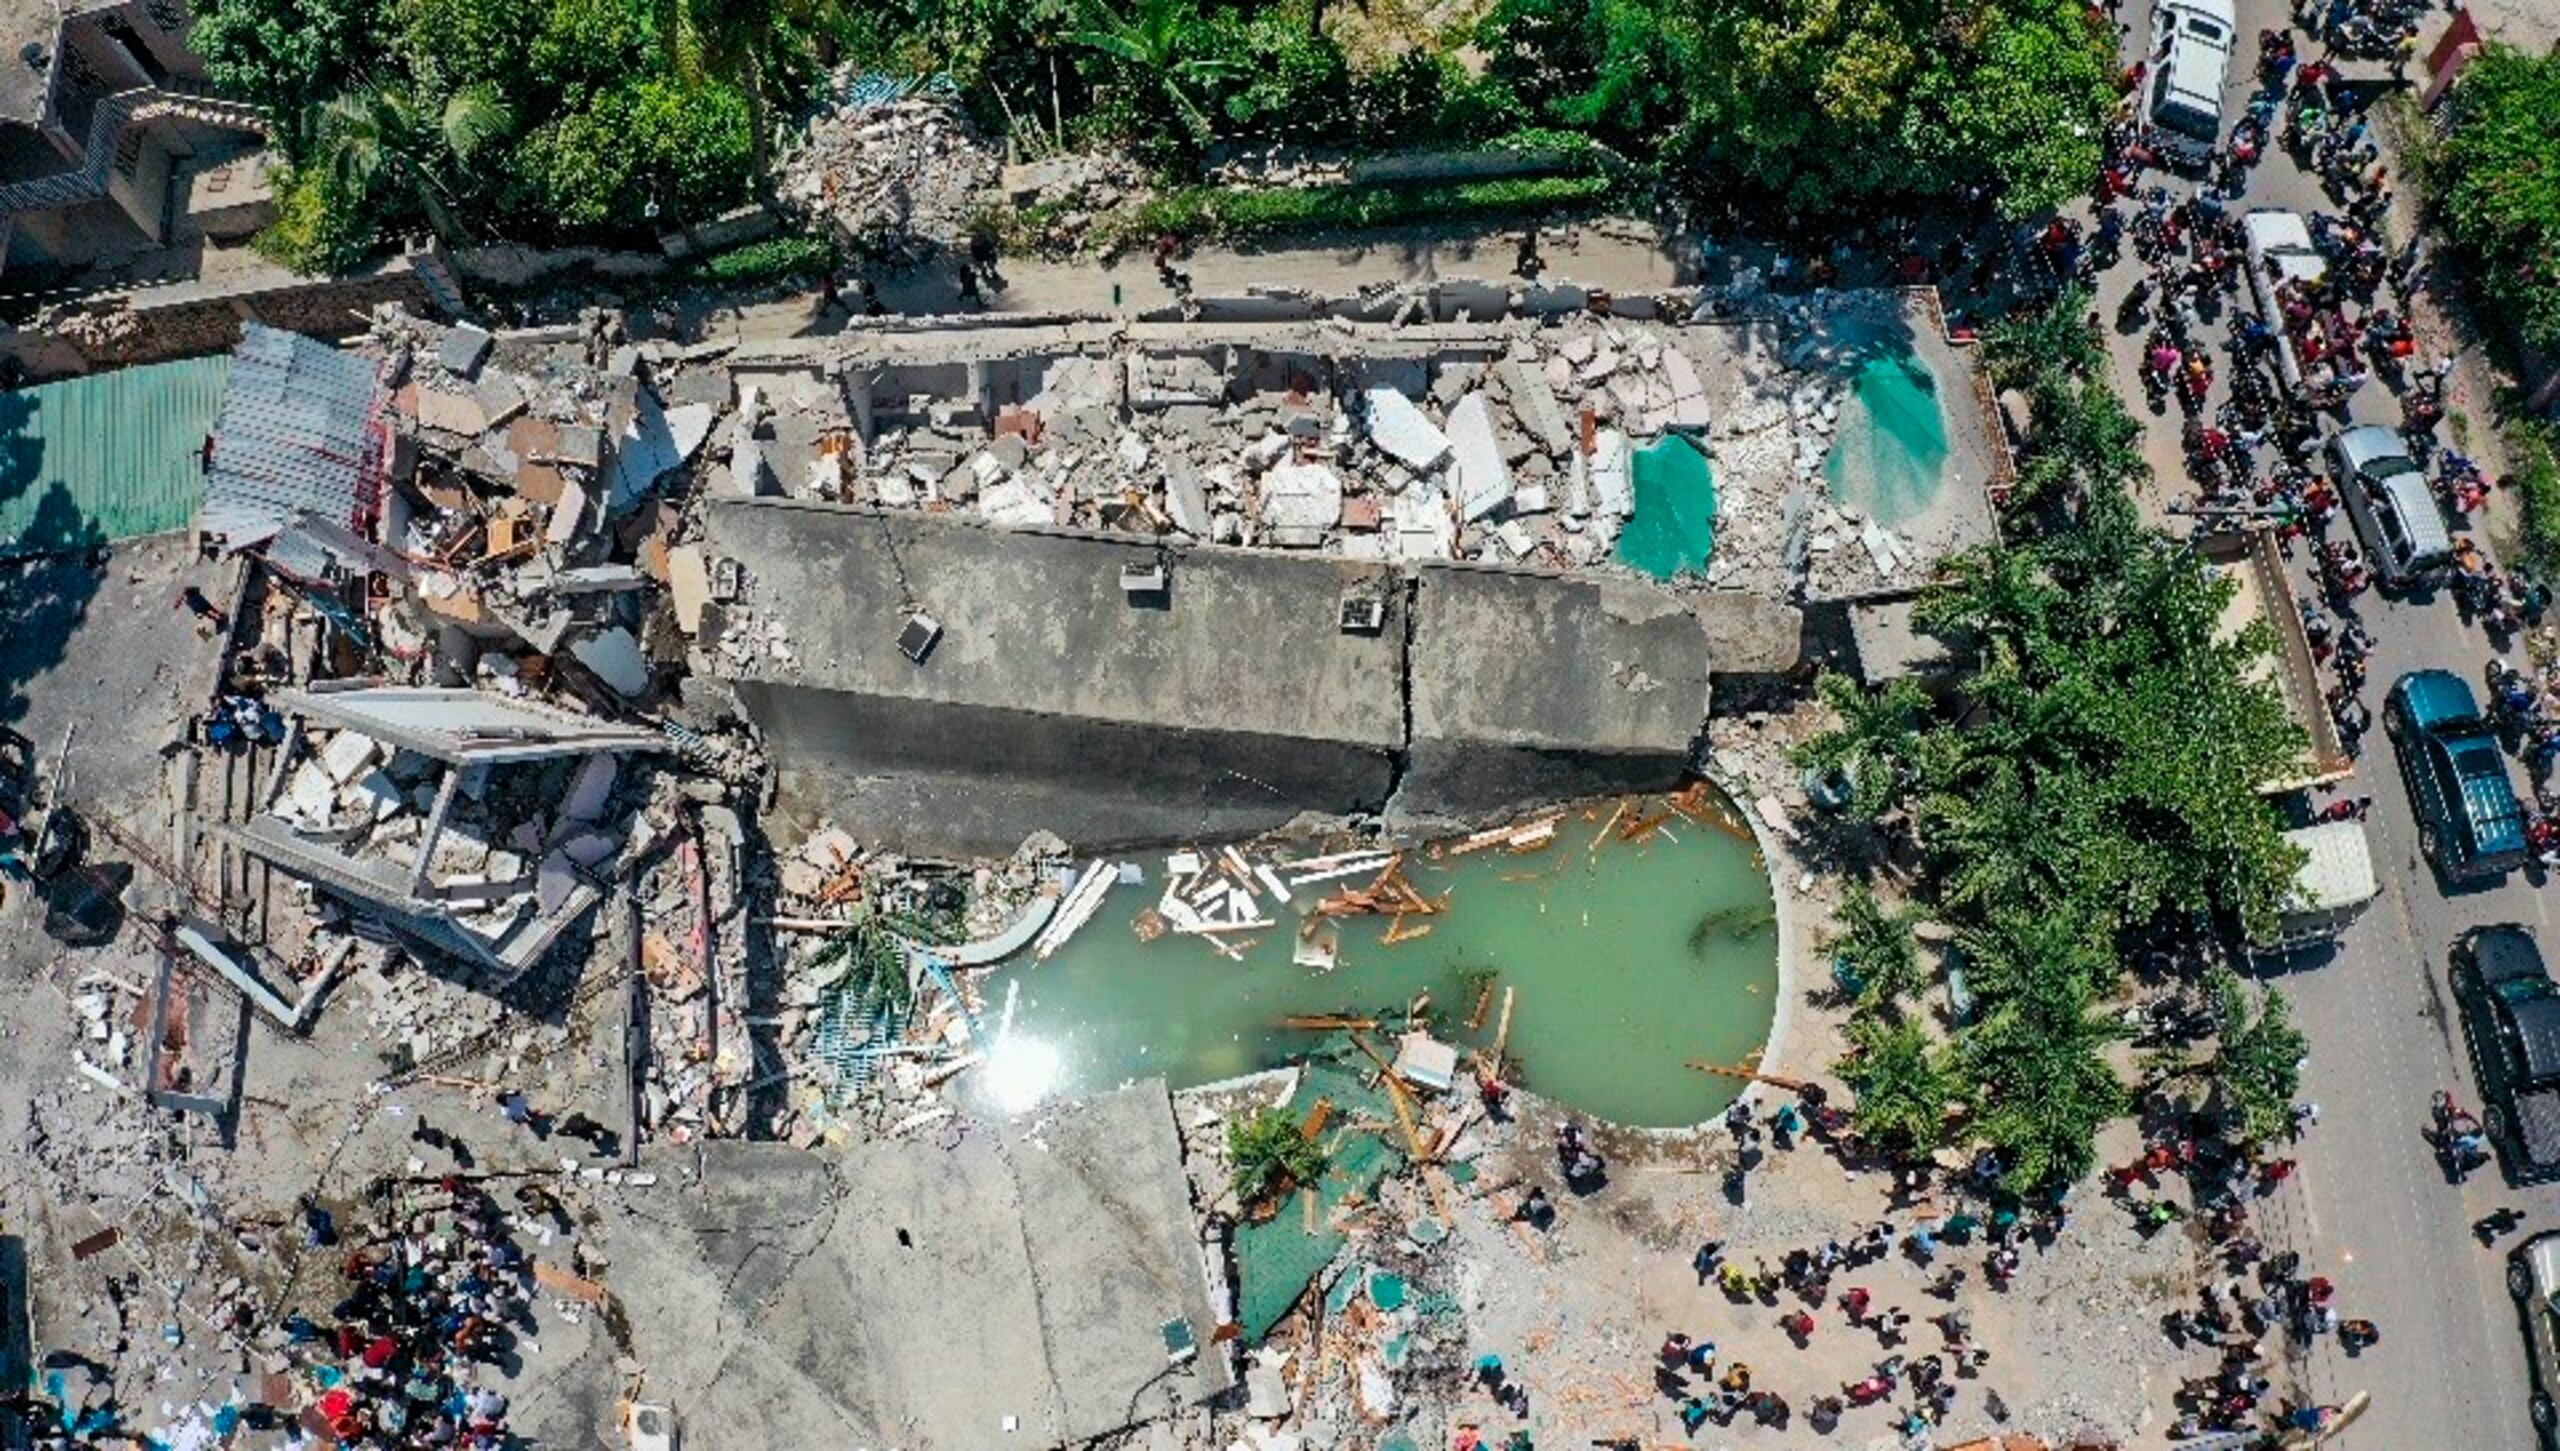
(879, 174)
(1512, 444)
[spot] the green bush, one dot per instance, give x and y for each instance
(2533, 472)
(2498, 179)
(770, 260)
(1267, 1154)
(1235, 213)
(317, 229)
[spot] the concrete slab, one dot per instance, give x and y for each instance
(1051, 700)
(1531, 688)
(908, 1294)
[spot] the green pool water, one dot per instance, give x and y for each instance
(1889, 456)
(1673, 529)
(1627, 962)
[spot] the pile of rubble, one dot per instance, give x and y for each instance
(880, 174)
(539, 534)
(1519, 447)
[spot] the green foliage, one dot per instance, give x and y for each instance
(874, 968)
(2257, 1064)
(385, 147)
(1872, 745)
(2020, 953)
(1878, 947)
(317, 229)
(770, 260)
(2103, 777)
(1831, 104)
(597, 166)
(1238, 212)
(549, 120)
(2085, 443)
(286, 55)
(2533, 475)
(2497, 176)
(2041, 1083)
(1905, 1085)
(1267, 1154)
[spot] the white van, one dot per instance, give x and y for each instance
(2191, 43)
(2279, 250)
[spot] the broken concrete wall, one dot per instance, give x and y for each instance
(1223, 704)
(1227, 704)
(974, 780)
(1529, 688)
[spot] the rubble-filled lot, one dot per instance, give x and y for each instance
(193, 1117)
(1511, 442)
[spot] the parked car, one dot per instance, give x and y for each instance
(2394, 510)
(2511, 1014)
(2191, 44)
(2533, 1278)
(2469, 821)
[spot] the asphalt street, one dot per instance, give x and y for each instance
(2372, 1210)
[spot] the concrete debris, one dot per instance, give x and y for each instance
(1511, 442)
(888, 174)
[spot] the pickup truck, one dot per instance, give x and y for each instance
(2278, 245)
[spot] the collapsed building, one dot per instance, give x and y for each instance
(1118, 690)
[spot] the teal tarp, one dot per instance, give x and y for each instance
(1673, 529)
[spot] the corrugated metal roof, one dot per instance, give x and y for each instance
(296, 434)
(109, 456)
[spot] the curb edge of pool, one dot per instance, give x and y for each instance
(1784, 905)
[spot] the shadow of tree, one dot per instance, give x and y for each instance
(58, 565)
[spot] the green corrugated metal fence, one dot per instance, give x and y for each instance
(110, 456)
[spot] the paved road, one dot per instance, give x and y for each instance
(2372, 1210)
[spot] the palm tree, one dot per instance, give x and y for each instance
(1905, 1085)
(2022, 952)
(1876, 946)
(1871, 746)
(382, 136)
(2043, 1084)
(750, 44)
(2257, 1062)
(1155, 40)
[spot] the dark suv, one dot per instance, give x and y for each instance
(2469, 822)
(2511, 1014)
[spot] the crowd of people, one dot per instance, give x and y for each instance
(2255, 1294)
(1820, 1280)
(431, 1303)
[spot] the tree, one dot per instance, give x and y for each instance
(1870, 745)
(757, 46)
(1878, 948)
(1905, 1085)
(381, 145)
(2024, 953)
(1159, 45)
(287, 56)
(1267, 1153)
(2498, 185)
(2041, 1083)
(2257, 1061)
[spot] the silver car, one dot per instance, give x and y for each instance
(2533, 1277)
(2387, 495)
